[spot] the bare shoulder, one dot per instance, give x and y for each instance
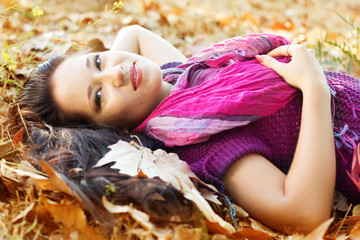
(139, 40)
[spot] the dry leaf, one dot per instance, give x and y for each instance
(56, 181)
(215, 227)
(350, 220)
(141, 217)
(130, 160)
(17, 178)
(319, 232)
(6, 148)
(18, 138)
(283, 25)
(9, 3)
(23, 171)
(356, 210)
(261, 227)
(44, 217)
(249, 17)
(96, 45)
(252, 234)
(23, 214)
(184, 232)
(355, 232)
(73, 220)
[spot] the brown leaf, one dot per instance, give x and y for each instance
(96, 45)
(23, 213)
(286, 25)
(184, 232)
(44, 217)
(9, 3)
(355, 231)
(46, 184)
(18, 138)
(141, 174)
(6, 149)
(252, 234)
(142, 218)
(319, 232)
(85, 22)
(356, 210)
(214, 227)
(56, 182)
(248, 17)
(4, 193)
(351, 220)
(73, 220)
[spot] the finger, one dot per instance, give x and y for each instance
(271, 63)
(281, 51)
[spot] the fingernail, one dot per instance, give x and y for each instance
(260, 58)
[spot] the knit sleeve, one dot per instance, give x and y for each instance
(210, 160)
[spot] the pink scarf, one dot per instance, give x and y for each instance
(220, 88)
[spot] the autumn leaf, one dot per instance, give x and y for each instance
(251, 234)
(191, 26)
(18, 138)
(319, 232)
(23, 213)
(73, 220)
(6, 148)
(287, 25)
(141, 217)
(56, 183)
(131, 159)
(355, 231)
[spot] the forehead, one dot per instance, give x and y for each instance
(69, 85)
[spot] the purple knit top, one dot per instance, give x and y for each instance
(275, 137)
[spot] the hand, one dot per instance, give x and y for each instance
(303, 71)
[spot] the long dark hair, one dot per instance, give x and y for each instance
(67, 149)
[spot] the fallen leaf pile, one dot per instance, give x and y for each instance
(44, 204)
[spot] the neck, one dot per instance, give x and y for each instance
(165, 92)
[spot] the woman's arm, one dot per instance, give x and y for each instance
(302, 199)
(141, 41)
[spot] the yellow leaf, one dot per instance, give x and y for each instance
(55, 180)
(73, 220)
(251, 234)
(319, 232)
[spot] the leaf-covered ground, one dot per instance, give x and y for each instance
(32, 31)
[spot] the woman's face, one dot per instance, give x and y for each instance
(115, 88)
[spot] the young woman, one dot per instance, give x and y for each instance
(227, 112)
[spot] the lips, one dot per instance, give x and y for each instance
(135, 75)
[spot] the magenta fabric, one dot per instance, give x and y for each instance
(221, 88)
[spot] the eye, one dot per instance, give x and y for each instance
(97, 62)
(97, 98)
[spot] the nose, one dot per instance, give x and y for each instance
(114, 76)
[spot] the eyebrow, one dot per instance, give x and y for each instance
(87, 62)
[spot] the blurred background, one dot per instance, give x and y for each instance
(189, 25)
(34, 30)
